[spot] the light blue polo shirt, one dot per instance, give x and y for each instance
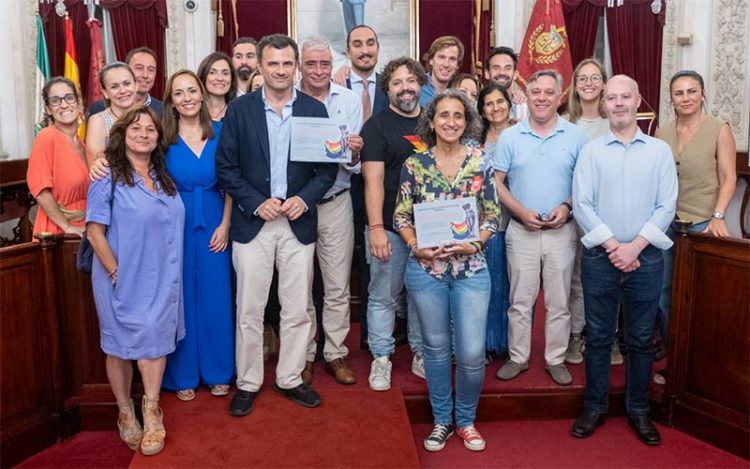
(539, 169)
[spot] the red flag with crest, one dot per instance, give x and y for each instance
(97, 60)
(545, 45)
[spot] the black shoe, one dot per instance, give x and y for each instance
(400, 334)
(645, 429)
(586, 423)
(242, 403)
(303, 395)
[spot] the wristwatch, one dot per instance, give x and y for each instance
(719, 215)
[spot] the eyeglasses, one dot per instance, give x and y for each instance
(585, 78)
(55, 101)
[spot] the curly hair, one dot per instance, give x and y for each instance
(481, 97)
(48, 119)
(427, 134)
(205, 67)
(116, 152)
(412, 65)
(574, 101)
(171, 119)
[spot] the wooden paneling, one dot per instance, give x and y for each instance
(709, 360)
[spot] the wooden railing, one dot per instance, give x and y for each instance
(708, 377)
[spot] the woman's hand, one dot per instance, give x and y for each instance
(73, 230)
(220, 239)
(99, 169)
(430, 254)
(467, 249)
(717, 228)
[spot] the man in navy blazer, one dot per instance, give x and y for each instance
(274, 220)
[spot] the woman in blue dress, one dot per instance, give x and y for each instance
(206, 355)
(493, 104)
(135, 223)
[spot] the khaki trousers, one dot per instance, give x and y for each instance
(335, 249)
(533, 255)
(254, 263)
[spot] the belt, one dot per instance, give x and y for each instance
(518, 220)
(198, 220)
(333, 197)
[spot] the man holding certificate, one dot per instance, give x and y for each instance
(446, 210)
(538, 156)
(335, 245)
(274, 220)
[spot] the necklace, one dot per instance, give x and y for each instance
(216, 116)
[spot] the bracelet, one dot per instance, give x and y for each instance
(113, 273)
(376, 227)
(570, 207)
(478, 245)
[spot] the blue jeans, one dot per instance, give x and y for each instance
(385, 298)
(604, 288)
(665, 300)
(464, 302)
(497, 316)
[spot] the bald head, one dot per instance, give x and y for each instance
(621, 102)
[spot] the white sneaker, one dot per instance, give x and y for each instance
(417, 365)
(380, 374)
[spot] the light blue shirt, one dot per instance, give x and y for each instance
(360, 85)
(539, 169)
(625, 190)
(428, 92)
(279, 142)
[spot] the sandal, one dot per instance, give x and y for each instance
(130, 429)
(219, 390)
(186, 395)
(153, 428)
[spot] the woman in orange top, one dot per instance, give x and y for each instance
(58, 176)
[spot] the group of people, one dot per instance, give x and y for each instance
(187, 191)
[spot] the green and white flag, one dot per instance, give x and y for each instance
(42, 73)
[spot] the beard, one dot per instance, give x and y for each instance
(406, 106)
(503, 81)
(244, 73)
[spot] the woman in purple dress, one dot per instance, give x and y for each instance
(136, 229)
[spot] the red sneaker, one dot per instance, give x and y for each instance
(472, 438)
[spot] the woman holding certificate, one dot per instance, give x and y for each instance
(449, 283)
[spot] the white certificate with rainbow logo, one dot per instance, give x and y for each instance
(446, 222)
(319, 140)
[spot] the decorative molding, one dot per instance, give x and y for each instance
(728, 85)
(669, 57)
(174, 37)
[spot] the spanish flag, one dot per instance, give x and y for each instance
(545, 45)
(71, 67)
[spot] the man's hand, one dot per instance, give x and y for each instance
(532, 221)
(518, 96)
(293, 208)
(717, 228)
(270, 209)
(380, 246)
(355, 144)
(341, 75)
(624, 255)
(558, 217)
(99, 169)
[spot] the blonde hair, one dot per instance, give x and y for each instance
(574, 101)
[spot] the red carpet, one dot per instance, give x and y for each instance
(352, 428)
(84, 449)
(537, 444)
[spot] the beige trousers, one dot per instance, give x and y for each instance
(546, 255)
(335, 249)
(254, 263)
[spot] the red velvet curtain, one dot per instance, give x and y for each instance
(54, 33)
(137, 23)
(486, 41)
(446, 18)
(256, 18)
(582, 24)
(635, 35)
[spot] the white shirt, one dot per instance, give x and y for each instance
(359, 88)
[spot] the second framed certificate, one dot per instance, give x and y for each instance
(446, 222)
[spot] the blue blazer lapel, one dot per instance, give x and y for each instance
(381, 100)
(259, 122)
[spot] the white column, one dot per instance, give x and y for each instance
(17, 58)
(511, 19)
(191, 35)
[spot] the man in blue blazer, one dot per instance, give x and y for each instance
(274, 220)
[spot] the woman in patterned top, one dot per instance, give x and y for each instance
(450, 283)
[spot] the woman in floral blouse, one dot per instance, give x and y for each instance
(450, 283)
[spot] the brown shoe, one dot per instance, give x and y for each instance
(339, 370)
(307, 373)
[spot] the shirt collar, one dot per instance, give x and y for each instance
(525, 127)
(288, 103)
(354, 78)
(148, 100)
(610, 137)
